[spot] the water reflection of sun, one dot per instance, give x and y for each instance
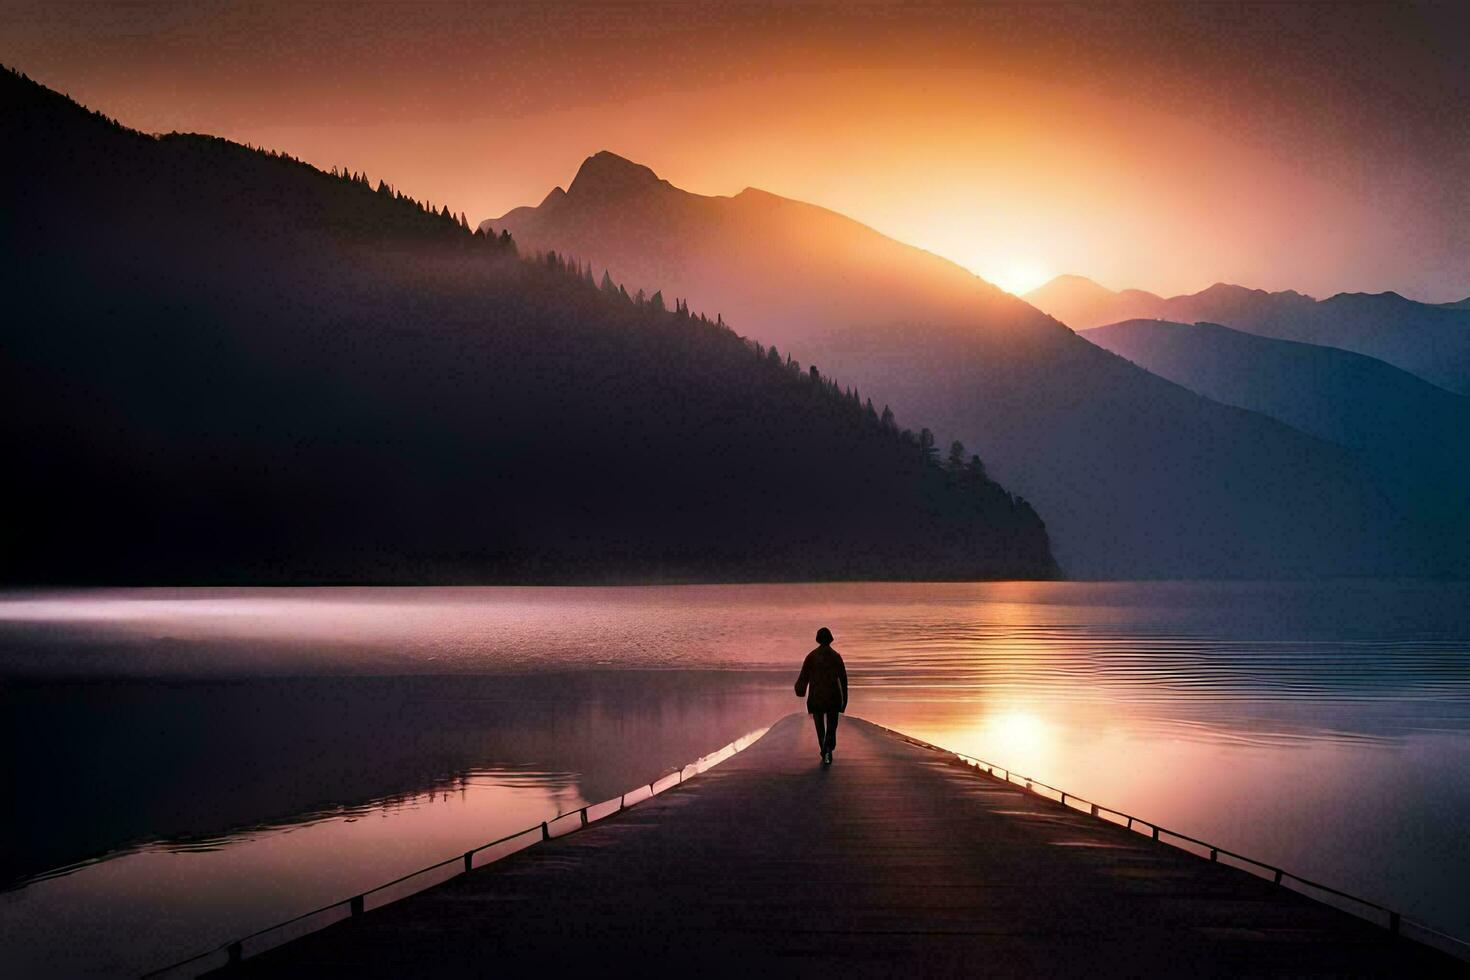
(1016, 738)
(1019, 735)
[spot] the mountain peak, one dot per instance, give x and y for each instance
(605, 174)
(1069, 288)
(1070, 280)
(1229, 289)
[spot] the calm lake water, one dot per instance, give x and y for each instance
(186, 766)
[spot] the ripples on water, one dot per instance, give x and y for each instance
(301, 745)
(1138, 644)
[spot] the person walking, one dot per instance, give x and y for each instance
(823, 682)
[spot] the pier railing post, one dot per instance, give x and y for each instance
(354, 905)
(236, 953)
(584, 816)
(545, 831)
(1393, 923)
(469, 860)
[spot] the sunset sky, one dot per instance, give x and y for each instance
(1320, 148)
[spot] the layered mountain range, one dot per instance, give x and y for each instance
(1430, 340)
(1136, 475)
(224, 365)
(1412, 433)
(221, 364)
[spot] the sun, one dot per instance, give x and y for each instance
(1018, 276)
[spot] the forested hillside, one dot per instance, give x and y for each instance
(223, 365)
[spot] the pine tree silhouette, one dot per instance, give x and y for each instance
(956, 460)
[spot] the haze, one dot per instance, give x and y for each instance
(1318, 148)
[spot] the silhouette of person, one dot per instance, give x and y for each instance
(823, 682)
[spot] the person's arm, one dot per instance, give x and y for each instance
(842, 676)
(802, 678)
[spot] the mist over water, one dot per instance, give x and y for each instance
(190, 765)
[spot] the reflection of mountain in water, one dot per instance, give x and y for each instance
(559, 789)
(196, 765)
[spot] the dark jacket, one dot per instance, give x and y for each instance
(823, 680)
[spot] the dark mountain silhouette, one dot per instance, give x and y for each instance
(1432, 341)
(223, 365)
(1412, 432)
(1137, 476)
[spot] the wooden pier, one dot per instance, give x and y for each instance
(894, 861)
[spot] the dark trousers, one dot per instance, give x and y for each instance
(826, 722)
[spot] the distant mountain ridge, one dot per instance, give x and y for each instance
(1137, 476)
(1412, 432)
(1430, 340)
(221, 365)
(1350, 398)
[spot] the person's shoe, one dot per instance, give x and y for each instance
(826, 758)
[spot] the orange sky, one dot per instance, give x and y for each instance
(1316, 148)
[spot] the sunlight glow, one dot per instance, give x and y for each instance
(1017, 277)
(1018, 738)
(1017, 734)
